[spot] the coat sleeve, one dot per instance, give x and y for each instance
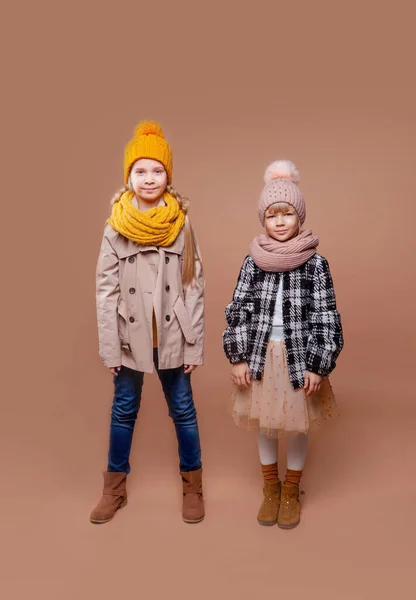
(107, 297)
(195, 305)
(325, 339)
(238, 315)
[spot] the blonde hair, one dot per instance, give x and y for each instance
(282, 207)
(118, 195)
(190, 249)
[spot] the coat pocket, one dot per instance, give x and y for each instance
(123, 328)
(182, 315)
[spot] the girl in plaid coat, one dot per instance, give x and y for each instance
(283, 337)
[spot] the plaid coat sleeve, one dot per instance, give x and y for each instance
(238, 314)
(325, 339)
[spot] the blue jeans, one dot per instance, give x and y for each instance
(127, 396)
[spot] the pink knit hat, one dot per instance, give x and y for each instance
(281, 178)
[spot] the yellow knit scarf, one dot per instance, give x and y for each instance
(158, 226)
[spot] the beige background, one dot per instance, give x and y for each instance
(329, 85)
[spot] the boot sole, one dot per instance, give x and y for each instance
(96, 522)
(193, 521)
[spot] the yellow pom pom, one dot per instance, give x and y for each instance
(149, 128)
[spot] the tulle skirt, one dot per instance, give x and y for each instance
(274, 407)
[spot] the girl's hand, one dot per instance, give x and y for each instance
(312, 383)
(115, 371)
(240, 374)
(189, 368)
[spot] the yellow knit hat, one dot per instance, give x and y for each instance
(148, 142)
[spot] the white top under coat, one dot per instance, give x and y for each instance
(277, 330)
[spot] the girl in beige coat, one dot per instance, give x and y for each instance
(150, 311)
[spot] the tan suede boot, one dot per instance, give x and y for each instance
(267, 514)
(114, 497)
(289, 511)
(193, 502)
(270, 507)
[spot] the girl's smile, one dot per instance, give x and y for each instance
(282, 225)
(148, 179)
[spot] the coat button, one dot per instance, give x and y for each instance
(131, 319)
(289, 331)
(288, 303)
(167, 259)
(131, 259)
(132, 290)
(167, 317)
(167, 288)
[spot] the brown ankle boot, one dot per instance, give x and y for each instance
(270, 507)
(114, 497)
(289, 511)
(193, 501)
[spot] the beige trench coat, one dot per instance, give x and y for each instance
(132, 281)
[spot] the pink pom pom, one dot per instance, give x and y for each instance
(282, 169)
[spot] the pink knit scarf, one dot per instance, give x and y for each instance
(271, 255)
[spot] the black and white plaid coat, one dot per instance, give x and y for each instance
(311, 322)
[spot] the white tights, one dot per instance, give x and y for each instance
(297, 448)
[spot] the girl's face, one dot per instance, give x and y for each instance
(148, 179)
(281, 222)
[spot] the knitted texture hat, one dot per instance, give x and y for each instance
(148, 142)
(282, 178)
